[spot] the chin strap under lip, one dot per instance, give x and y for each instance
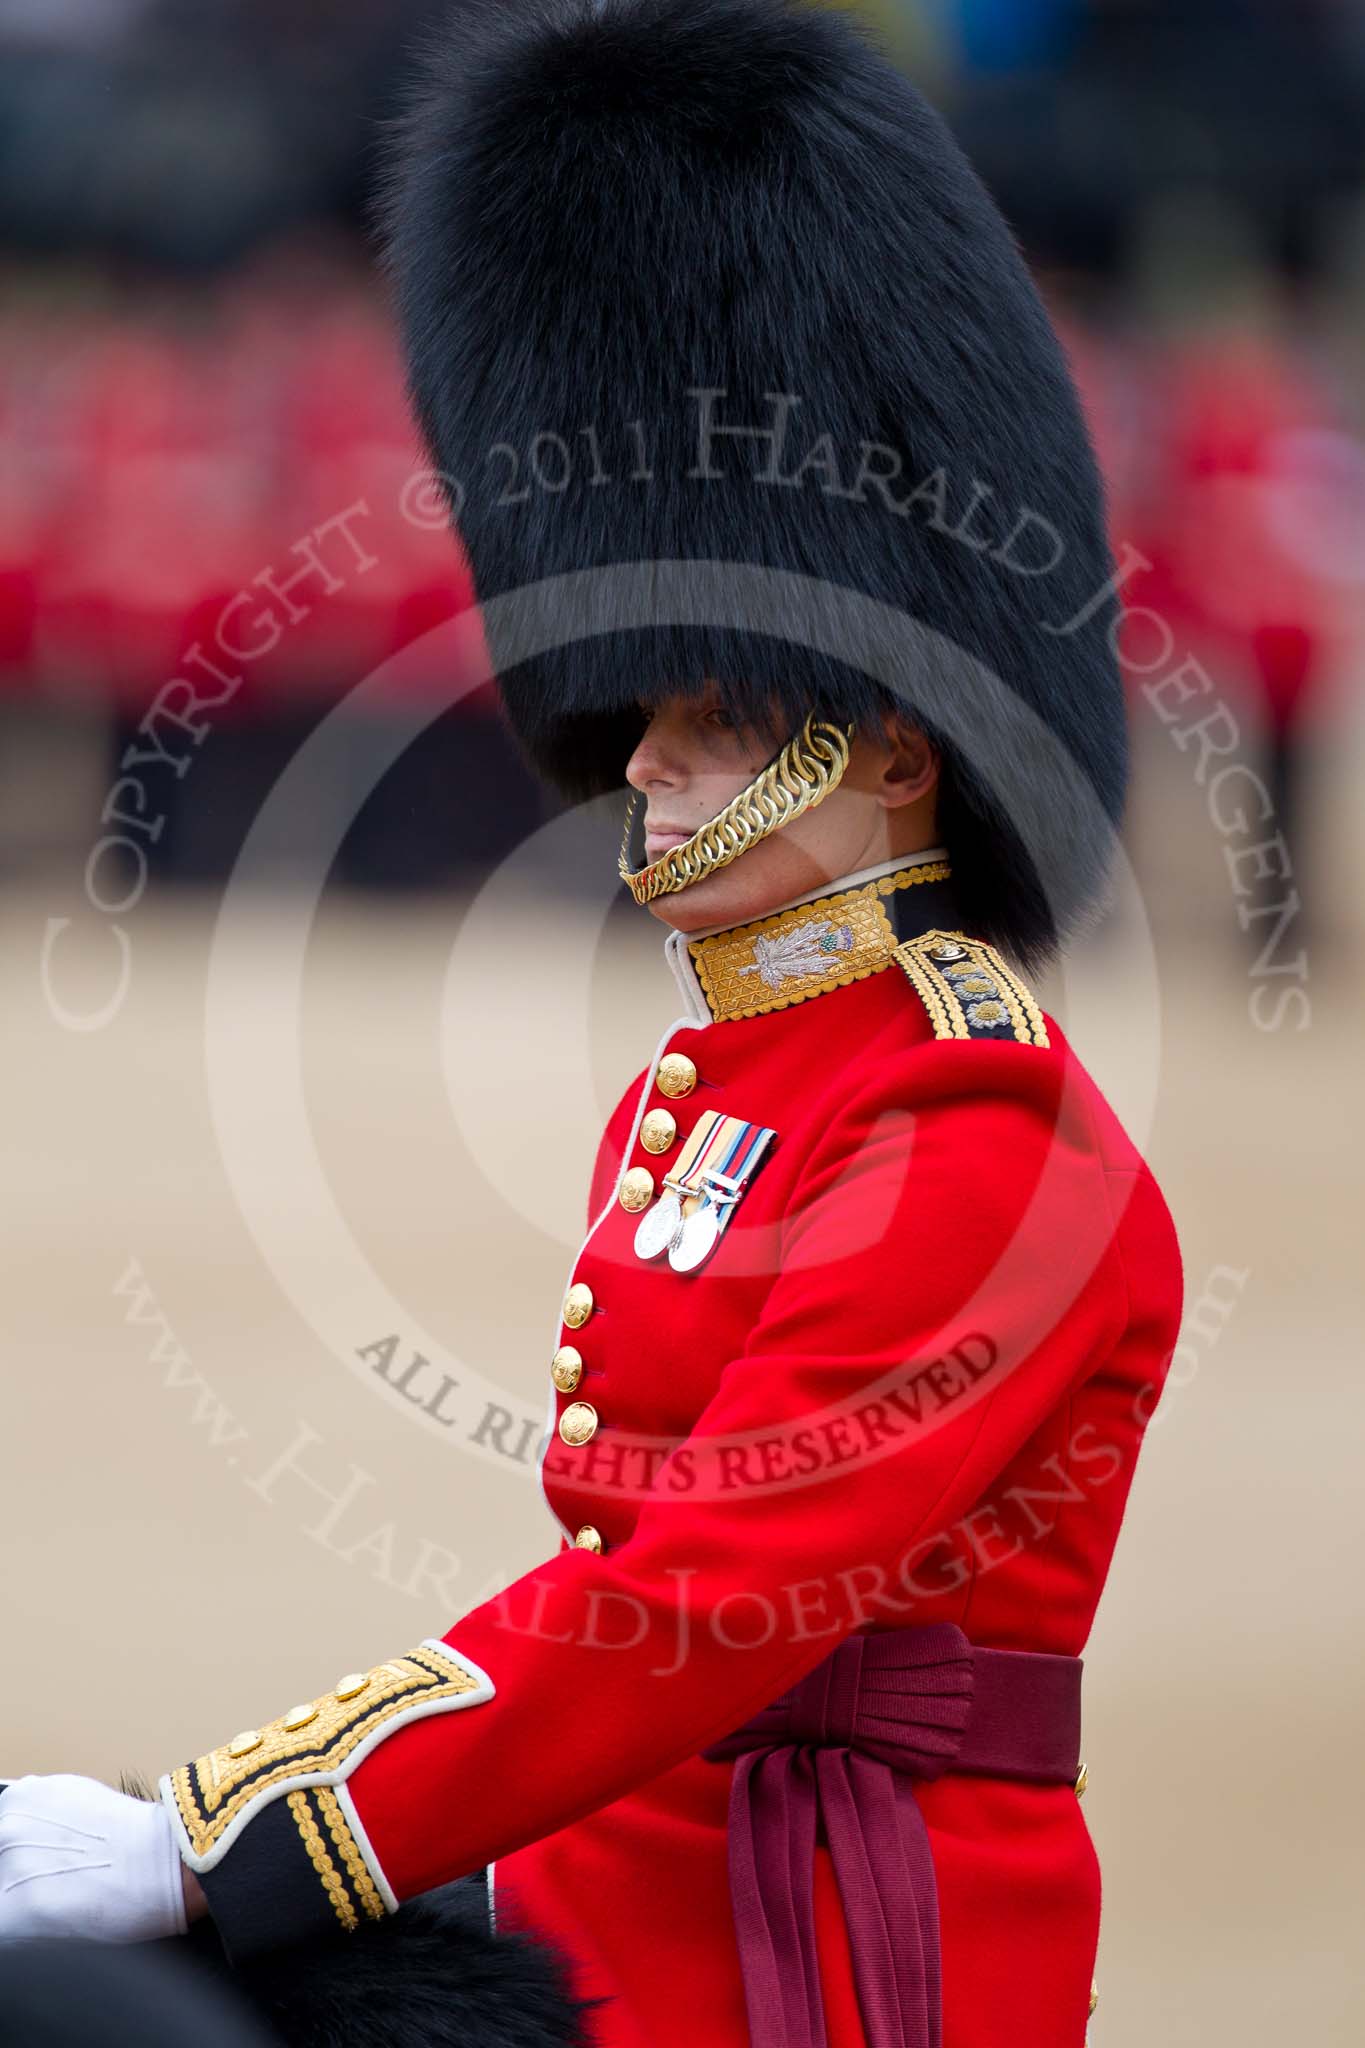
(809, 766)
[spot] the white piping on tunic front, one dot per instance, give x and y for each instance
(679, 1024)
(680, 962)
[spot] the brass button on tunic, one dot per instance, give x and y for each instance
(677, 1075)
(578, 1422)
(658, 1130)
(636, 1191)
(578, 1305)
(566, 1368)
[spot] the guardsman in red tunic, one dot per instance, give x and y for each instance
(782, 512)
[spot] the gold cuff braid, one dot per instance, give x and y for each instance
(313, 1746)
(351, 1890)
(809, 766)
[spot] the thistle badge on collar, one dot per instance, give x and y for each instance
(811, 948)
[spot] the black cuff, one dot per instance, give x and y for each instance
(266, 1821)
(295, 1871)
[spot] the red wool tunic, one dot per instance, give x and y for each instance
(909, 1385)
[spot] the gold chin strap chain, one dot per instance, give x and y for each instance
(809, 766)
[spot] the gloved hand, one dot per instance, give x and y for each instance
(78, 1858)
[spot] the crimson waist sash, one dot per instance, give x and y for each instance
(841, 1749)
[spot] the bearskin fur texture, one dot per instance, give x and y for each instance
(596, 212)
(430, 1976)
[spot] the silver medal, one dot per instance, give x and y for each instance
(697, 1240)
(658, 1227)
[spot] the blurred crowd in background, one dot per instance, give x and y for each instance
(200, 394)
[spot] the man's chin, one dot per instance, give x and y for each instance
(733, 895)
(717, 900)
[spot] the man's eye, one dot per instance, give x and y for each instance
(719, 716)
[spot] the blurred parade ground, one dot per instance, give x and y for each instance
(325, 1005)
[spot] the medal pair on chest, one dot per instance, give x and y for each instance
(716, 1165)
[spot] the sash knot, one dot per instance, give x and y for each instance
(835, 1756)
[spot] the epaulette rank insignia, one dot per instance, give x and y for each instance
(968, 990)
(310, 1750)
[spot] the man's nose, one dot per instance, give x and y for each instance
(651, 766)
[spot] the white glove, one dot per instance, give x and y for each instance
(78, 1858)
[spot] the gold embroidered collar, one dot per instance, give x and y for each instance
(807, 950)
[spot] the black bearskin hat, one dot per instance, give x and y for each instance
(431, 1975)
(731, 369)
(427, 1977)
(434, 1974)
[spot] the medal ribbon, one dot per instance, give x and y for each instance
(718, 1158)
(724, 1145)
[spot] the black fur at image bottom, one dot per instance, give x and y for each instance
(429, 1976)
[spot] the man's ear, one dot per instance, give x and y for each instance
(911, 767)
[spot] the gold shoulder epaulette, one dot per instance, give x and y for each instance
(968, 990)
